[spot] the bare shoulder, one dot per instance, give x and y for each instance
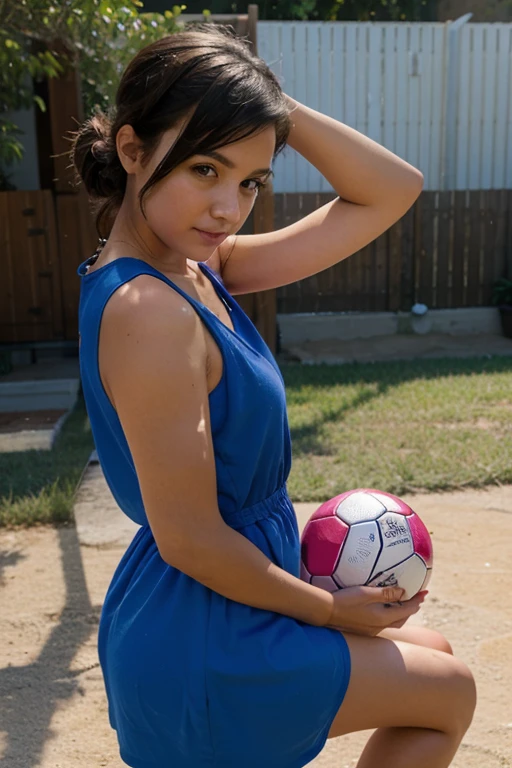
(149, 331)
(150, 306)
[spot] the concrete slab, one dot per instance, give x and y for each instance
(300, 327)
(397, 347)
(40, 394)
(99, 521)
(41, 439)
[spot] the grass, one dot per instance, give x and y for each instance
(37, 487)
(402, 427)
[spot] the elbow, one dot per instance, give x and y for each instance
(417, 183)
(192, 553)
(409, 192)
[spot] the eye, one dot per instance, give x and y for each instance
(258, 183)
(200, 168)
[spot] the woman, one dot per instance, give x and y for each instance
(214, 652)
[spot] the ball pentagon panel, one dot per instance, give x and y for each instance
(321, 545)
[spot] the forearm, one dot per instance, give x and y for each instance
(230, 564)
(360, 170)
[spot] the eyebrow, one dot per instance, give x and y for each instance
(229, 164)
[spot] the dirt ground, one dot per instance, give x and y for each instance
(53, 710)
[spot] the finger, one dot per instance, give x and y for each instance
(384, 594)
(413, 601)
(388, 615)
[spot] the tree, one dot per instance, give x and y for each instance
(319, 10)
(41, 38)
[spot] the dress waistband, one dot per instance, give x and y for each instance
(258, 511)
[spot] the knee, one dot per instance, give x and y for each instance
(439, 642)
(467, 696)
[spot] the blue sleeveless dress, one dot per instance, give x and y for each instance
(193, 679)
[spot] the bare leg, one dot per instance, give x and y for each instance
(420, 700)
(430, 638)
(408, 748)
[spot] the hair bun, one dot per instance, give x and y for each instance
(99, 151)
(95, 158)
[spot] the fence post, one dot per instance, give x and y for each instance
(448, 167)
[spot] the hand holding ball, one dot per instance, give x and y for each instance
(366, 537)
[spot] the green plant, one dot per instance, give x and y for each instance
(502, 292)
(42, 38)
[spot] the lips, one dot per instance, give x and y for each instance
(211, 237)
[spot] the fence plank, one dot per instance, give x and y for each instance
(476, 60)
(312, 99)
(508, 154)
(401, 91)
(414, 103)
(444, 249)
(438, 117)
(407, 277)
(301, 78)
(475, 244)
(489, 77)
(461, 222)
(389, 89)
(463, 111)
(361, 78)
(374, 88)
(395, 267)
(7, 303)
(508, 239)
(349, 79)
(494, 241)
(381, 251)
(500, 112)
(424, 268)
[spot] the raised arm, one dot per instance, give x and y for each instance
(374, 186)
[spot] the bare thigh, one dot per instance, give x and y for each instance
(401, 684)
(430, 638)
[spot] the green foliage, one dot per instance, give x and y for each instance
(502, 292)
(375, 10)
(42, 38)
(322, 10)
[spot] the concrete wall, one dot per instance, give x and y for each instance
(298, 328)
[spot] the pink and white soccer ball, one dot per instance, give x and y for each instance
(366, 537)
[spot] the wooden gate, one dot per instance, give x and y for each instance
(31, 287)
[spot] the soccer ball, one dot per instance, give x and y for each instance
(366, 537)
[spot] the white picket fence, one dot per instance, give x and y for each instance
(438, 96)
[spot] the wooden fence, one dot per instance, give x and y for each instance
(438, 95)
(446, 252)
(43, 239)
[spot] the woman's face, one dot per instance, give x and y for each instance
(212, 193)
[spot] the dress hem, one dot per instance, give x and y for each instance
(304, 759)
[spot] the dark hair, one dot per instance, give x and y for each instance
(206, 71)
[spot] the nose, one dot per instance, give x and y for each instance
(226, 205)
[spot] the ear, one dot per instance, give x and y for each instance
(129, 148)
